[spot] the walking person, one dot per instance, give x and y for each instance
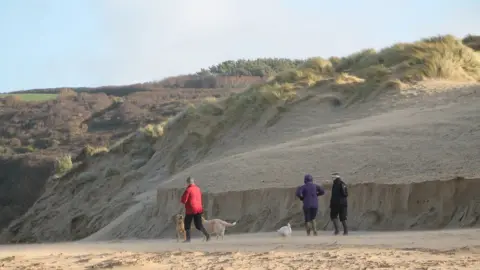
(192, 199)
(308, 194)
(338, 203)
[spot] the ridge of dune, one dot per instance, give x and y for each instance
(395, 126)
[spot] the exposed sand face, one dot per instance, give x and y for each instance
(454, 249)
(393, 139)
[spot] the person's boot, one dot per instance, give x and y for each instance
(345, 228)
(314, 227)
(307, 228)
(187, 234)
(207, 235)
(335, 225)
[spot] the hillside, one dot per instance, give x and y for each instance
(65, 125)
(407, 113)
(52, 123)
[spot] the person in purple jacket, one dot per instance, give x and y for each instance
(308, 194)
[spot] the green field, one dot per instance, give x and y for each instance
(32, 97)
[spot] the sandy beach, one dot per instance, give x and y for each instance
(445, 249)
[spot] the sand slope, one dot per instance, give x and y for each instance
(432, 134)
(453, 249)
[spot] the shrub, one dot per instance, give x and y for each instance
(210, 100)
(91, 151)
(63, 164)
(153, 130)
(345, 78)
(31, 148)
(319, 65)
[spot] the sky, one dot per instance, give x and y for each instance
(74, 43)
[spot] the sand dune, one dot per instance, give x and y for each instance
(406, 142)
(432, 137)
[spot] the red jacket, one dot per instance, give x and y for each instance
(192, 198)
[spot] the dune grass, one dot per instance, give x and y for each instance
(153, 130)
(355, 77)
(366, 71)
(444, 57)
(32, 97)
(91, 151)
(348, 78)
(63, 164)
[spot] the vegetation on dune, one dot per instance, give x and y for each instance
(63, 164)
(359, 74)
(153, 130)
(443, 57)
(91, 151)
(257, 67)
(353, 77)
(437, 57)
(244, 73)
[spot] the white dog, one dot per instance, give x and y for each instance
(216, 226)
(285, 230)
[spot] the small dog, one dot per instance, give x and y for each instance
(216, 226)
(180, 227)
(285, 231)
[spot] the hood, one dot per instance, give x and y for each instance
(308, 178)
(338, 180)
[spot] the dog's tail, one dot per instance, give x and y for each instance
(228, 224)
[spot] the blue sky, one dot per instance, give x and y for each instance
(57, 43)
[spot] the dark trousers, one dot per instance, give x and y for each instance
(197, 221)
(309, 214)
(338, 211)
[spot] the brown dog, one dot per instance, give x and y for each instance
(179, 226)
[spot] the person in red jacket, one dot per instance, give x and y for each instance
(192, 199)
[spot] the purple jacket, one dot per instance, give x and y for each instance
(309, 192)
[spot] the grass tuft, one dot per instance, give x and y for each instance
(91, 151)
(153, 130)
(63, 164)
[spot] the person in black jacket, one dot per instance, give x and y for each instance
(338, 203)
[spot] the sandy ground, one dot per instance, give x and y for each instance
(446, 249)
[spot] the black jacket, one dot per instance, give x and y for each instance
(339, 193)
